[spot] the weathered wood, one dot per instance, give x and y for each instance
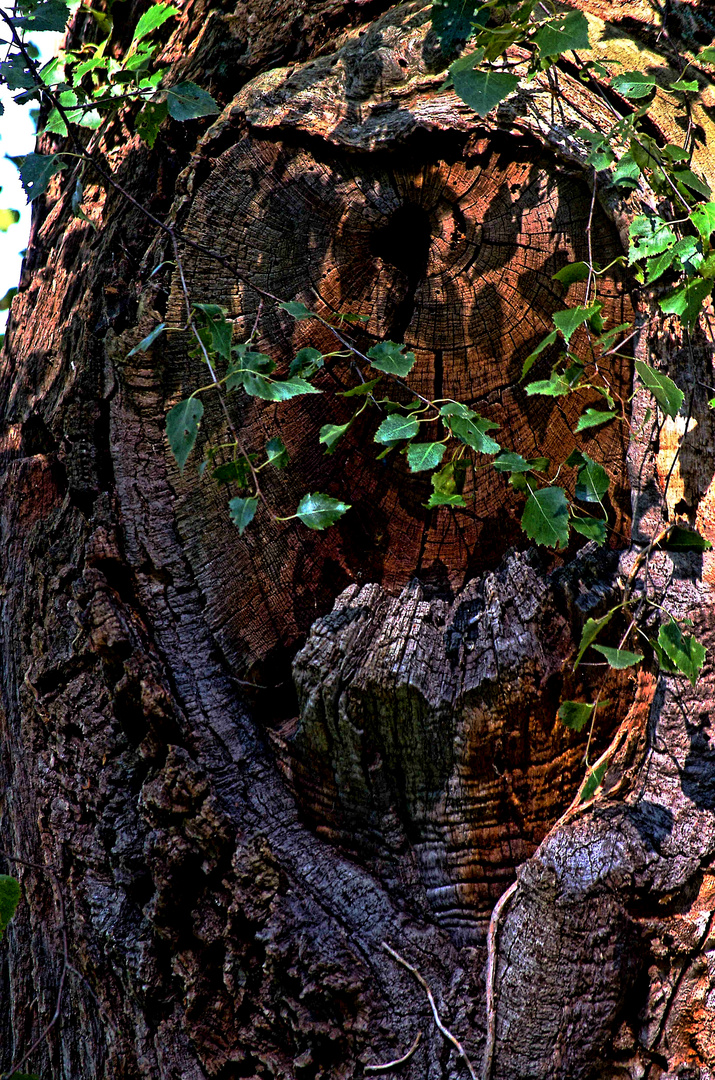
(428, 744)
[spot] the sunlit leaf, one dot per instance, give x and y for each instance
(593, 418)
(397, 427)
(320, 511)
(152, 19)
(391, 358)
(666, 393)
(565, 32)
(680, 539)
(421, 456)
(591, 629)
(546, 517)
(683, 650)
(567, 275)
(330, 435)
(618, 658)
(687, 301)
(634, 84)
(481, 89)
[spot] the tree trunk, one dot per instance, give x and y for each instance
(237, 768)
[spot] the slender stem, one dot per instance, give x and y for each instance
(437, 1019)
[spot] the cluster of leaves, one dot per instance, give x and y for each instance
(84, 87)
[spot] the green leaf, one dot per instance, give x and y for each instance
(9, 899)
(447, 485)
(153, 18)
(472, 431)
(306, 362)
(220, 331)
(627, 172)
(532, 357)
(593, 782)
(320, 511)
(592, 480)
(663, 389)
(362, 389)
(297, 310)
(691, 181)
(452, 21)
(591, 629)
(330, 434)
(481, 90)
(688, 86)
(508, 461)
(8, 218)
(36, 171)
(396, 427)
(575, 714)
(592, 528)
(182, 427)
(687, 301)
(257, 385)
(443, 498)
(149, 119)
(683, 650)
(50, 15)
(703, 218)
(187, 101)
(577, 271)
(559, 35)
(421, 456)
(148, 341)
(237, 472)
(546, 517)
(594, 418)
(276, 453)
(242, 512)
(7, 299)
(680, 539)
(648, 236)
(555, 386)
(634, 84)
(570, 319)
(391, 358)
(658, 264)
(619, 658)
(707, 55)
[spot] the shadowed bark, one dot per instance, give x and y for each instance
(252, 761)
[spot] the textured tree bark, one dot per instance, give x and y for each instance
(250, 762)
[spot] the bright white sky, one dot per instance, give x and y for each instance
(17, 136)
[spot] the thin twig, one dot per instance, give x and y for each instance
(17, 1064)
(396, 1061)
(492, 946)
(423, 983)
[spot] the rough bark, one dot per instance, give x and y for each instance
(232, 857)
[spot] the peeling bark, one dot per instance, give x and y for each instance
(232, 857)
